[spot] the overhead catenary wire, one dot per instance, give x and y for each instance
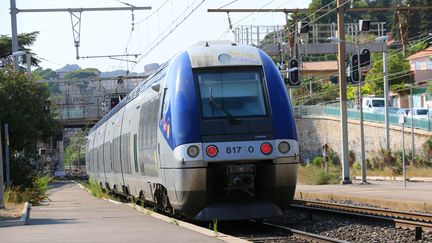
(156, 11)
(163, 35)
(231, 25)
(228, 4)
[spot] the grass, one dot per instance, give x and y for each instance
(214, 225)
(411, 172)
(314, 175)
(96, 190)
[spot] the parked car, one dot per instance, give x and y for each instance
(419, 113)
(373, 104)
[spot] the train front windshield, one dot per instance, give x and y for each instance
(231, 93)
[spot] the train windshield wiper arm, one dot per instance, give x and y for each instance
(233, 120)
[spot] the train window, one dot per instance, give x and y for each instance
(135, 152)
(165, 102)
(236, 93)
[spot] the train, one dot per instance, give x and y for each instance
(209, 136)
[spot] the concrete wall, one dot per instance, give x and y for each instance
(313, 133)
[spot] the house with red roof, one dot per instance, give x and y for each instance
(421, 65)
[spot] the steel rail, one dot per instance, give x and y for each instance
(402, 219)
(305, 235)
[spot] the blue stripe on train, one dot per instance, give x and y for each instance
(283, 118)
(183, 112)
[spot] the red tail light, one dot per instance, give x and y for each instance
(211, 150)
(266, 148)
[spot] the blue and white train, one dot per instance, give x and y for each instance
(211, 135)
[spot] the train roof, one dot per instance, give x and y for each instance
(222, 53)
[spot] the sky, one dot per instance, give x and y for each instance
(110, 33)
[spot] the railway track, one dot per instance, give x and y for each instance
(303, 235)
(402, 219)
(262, 232)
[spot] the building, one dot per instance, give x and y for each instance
(319, 70)
(421, 65)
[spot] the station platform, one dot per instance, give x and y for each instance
(73, 215)
(417, 196)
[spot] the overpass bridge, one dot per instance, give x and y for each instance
(81, 103)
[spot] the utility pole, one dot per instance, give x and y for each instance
(2, 205)
(13, 13)
(342, 87)
(7, 155)
(403, 17)
(360, 97)
(386, 96)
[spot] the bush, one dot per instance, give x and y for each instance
(35, 195)
(427, 151)
(351, 157)
(327, 178)
(382, 158)
(333, 157)
(318, 161)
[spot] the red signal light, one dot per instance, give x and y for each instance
(211, 150)
(266, 148)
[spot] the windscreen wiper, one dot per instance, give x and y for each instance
(233, 120)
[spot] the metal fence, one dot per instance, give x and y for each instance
(333, 110)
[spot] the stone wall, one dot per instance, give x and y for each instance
(313, 133)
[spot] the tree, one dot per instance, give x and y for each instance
(398, 70)
(47, 74)
(75, 149)
(426, 16)
(317, 4)
(44, 74)
(83, 73)
(26, 107)
(24, 41)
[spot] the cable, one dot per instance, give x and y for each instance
(161, 37)
(228, 4)
(46, 60)
(146, 18)
(224, 33)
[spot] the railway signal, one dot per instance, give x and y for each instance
(355, 69)
(293, 73)
(365, 58)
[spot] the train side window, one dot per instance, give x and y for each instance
(165, 102)
(135, 147)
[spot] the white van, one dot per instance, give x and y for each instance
(419, 113)
(373, 104)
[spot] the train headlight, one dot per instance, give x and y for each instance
(284, 147)
(211, 150)
(193, 151)
(266, 148)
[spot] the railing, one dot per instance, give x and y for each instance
(333, 110)
(318, 33)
